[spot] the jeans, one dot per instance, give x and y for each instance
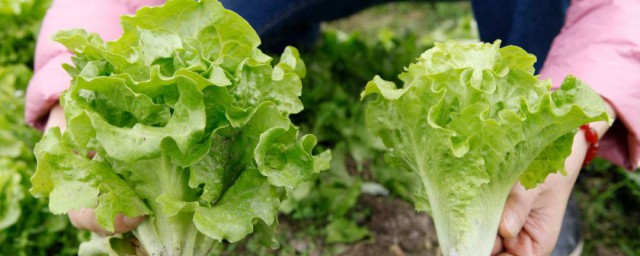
(293, 22)
(530, 24)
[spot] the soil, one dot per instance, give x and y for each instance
(397, 230)
(604, 251)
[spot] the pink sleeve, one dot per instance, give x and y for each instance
(600, 44)
(49, 79)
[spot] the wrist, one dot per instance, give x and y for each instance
(591, 134)
(591, 137)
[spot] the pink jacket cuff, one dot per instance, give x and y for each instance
(45, 88)
(600, 44)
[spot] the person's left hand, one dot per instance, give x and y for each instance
(531, 220)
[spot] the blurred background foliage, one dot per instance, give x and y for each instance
(26, 226)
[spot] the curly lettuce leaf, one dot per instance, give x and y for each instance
(250, 199)
(185, 115)
(73, 182)
(471, 120)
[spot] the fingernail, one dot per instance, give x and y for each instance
(131, 222)
(513, 223)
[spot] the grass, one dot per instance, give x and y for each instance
(609, 198)
(438, 21)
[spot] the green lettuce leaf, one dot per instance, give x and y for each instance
(189, 123)
(471, 120)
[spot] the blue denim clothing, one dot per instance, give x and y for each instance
(530, 24)
(293, 22)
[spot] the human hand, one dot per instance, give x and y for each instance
(531, 221)
(86, 218)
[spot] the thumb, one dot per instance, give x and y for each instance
(56, 119)
(86, 219)
(516, 210)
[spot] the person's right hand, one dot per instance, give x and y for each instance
(86, 218)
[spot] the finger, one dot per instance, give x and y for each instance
(124, 224)
(540, 233)
(522, 244)
(86, 219)
(497, 247)
(516, 210)
(56, 119)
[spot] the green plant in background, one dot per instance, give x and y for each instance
(189, 122)
(26, 226)
(609, 197)
(20, 21)
(337, 118)
(471, 120)
(430, 21)
(16, 139)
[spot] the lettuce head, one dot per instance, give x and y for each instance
(188, 122)
(470, 121)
